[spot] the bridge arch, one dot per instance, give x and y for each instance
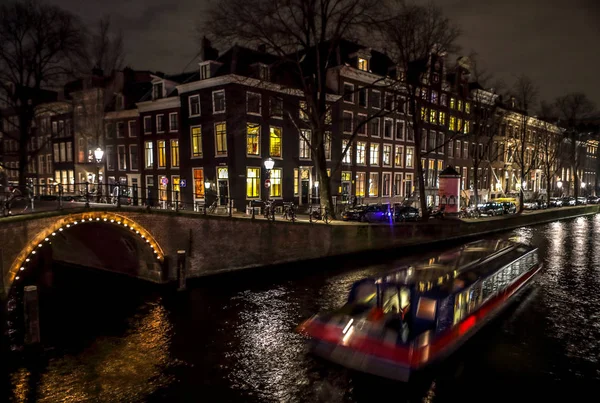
(64, 223)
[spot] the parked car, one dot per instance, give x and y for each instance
(593, 199)
(530, 205)
(406, 213)
(509, 207)
(491, 209)
(568, 201)
(377, 213)
(555, 202)
(581, 201)
(542, 203)
(354, 213)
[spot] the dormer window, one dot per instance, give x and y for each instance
(363, 64)
(264, 72)
(119, 102)
(158, 90)
(204, 71)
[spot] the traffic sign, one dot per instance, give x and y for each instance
(267, 183)
(164, 181)
(182, 183)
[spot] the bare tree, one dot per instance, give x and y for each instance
(550, 141)
(572, 109)
(487, 118)
(305, 35)
(523, 144)
(39, 44)
(106, 50)
(416, 35)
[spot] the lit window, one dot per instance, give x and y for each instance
(467, 107)
(275, 141)
(198, 183)
(466, 127)
(253, 182)
(221, 138)
(148, 154)
(196, 134)
(162, 153)
(387, 155)
(374, 157)
(174, 153)
(410, 151)
(399, 156)
(460, 104)
(452, 103)
(363, 64)
(373, 184)
(276, 176)
(253, 139)
(360, 152)
(360, 184)
(304, 144)
(433, 116)
(452, 123)
(347, 159)
(442, 118)
(303, 111)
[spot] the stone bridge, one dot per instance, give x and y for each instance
(144, 244)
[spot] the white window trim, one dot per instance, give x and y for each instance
(383, 174)
(248, 93)
(378, 92)
(224, 102)
(408, 127)
(413, 157)
(393, 133)
(259, 140)
(344, 93)
(366, 97)
(163, 116)
(351, 121)
(177, 117)
(147, 128)
(271, 109)
(301, 139)
(377, 163)
(171, 153)
(402, 160)
(367, 157)
(158, 154)
(129, 122)
(401, 193)
(190, 106)
(358, 120)
(403, 135)
(192, 145)
(119, 148)
(259, 183)
(117, 130)
(281, 178)
(383, 164)
(215, 135)
(130, 164)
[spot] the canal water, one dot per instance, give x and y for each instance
(231, 339)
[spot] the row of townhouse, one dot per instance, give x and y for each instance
(203, 137)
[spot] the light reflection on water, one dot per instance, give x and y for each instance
(228, 342)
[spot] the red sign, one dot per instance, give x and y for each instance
(164, 181)
(267, 183)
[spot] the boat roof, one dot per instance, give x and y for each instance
(462, 265)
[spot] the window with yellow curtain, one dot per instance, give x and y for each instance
(174, 153)
(221, 138)
(253, 182)
(275, 142)
(196, 134)
(162, 153)
(253, 139)
(198, 183)
(276, 175)
(360, 184)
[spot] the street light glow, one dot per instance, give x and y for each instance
(269, 164)
(559, 184)
(98, 154)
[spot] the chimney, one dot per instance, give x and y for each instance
(262, 48)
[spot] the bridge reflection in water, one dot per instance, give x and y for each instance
(232, 339)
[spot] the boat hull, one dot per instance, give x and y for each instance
(404, 361)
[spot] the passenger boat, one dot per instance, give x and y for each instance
(405, 320)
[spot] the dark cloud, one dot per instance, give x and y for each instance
(554, 42)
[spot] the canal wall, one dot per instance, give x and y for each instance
(219, 244)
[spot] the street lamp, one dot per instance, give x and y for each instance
(317, 189)
(98, 154)
(269, 164)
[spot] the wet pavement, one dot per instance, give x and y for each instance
(231, 339)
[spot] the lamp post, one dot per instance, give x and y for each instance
(207, 185)
(269, 164)
(559, 185)
(317, 191)
(98, 154)
(583, 189)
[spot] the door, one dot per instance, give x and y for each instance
(346, 191)
(223, 192)
(305, 190)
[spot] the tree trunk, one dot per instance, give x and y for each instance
(575, 182)
(421, 182)
(325, 193)
(521, 193)
(548, 183)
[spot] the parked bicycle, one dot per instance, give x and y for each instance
(289, 212)
(269, 212)
(320, 213)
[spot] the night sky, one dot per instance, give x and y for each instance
(555, 42)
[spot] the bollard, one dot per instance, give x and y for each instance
(177, 201)
(32, 315)
(230, 207)
(181, 270)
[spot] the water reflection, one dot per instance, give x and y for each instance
(235, 342)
